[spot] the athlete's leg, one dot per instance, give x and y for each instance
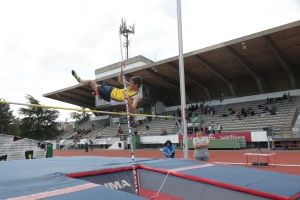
(91, 83)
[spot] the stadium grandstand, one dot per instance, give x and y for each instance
(244, 85)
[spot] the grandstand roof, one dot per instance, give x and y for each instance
(258, 63)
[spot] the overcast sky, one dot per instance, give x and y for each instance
(42, 41)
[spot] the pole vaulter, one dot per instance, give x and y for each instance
(128, 122)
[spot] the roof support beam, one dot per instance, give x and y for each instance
(164, 78)
(87, 98)
(213, 91)
(77, 102)
(190, 76)
(167, 80)
(189, 95)
(210, 67)
(172, 99)
(283, 61)
(87, 91)
(247, 65)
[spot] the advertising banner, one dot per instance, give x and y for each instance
(122, 181)
(100, 141)
(223, 136)
(115, 120)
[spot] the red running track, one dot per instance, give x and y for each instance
(282, 157)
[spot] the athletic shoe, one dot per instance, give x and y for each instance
(75, 76)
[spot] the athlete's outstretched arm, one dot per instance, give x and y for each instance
(120, 78)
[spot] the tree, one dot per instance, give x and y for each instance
(38, 123)
(6, 118)
(80, 117)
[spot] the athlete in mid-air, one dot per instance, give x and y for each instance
(110, 93)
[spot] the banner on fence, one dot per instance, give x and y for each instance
(100, 141)
(223, 136)
(115, 120)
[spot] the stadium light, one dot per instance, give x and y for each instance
(244, 45)
(125, 31)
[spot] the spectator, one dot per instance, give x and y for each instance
(284, 97)
(178, 112)
(229, 111)
(98, 136)
(86, 147)
(238, 114)
(289, 96)
(169, 149)
(273, 111)
(163, 132)
(145, 133)
(147, 127)
(120, 131)
(201, 145)
(93, 126)
(75, 145)
(219, 128)
(273, 108)
(133, 124)
(213, 129)
(209, 129)
(266, 109)
(244, 112)
(205, 130)
(91, 146)
(201, 108)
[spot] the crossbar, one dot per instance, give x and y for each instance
(82, 110)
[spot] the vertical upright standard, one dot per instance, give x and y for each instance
(182, 83)
(128, 124)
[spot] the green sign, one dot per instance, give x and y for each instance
(196, 119)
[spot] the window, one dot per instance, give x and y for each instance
(145, 92)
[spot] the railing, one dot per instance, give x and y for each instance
(71, 135)
(295, 117)
(66, 142)
(175, 129)
(67, 146)
(102, 123)
(112, 140)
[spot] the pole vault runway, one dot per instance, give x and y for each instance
(286, 161)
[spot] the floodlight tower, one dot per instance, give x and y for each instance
(125, 31)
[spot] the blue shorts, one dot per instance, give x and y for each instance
(104, 91)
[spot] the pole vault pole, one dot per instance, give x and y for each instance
(182, 83)
(128, 124)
